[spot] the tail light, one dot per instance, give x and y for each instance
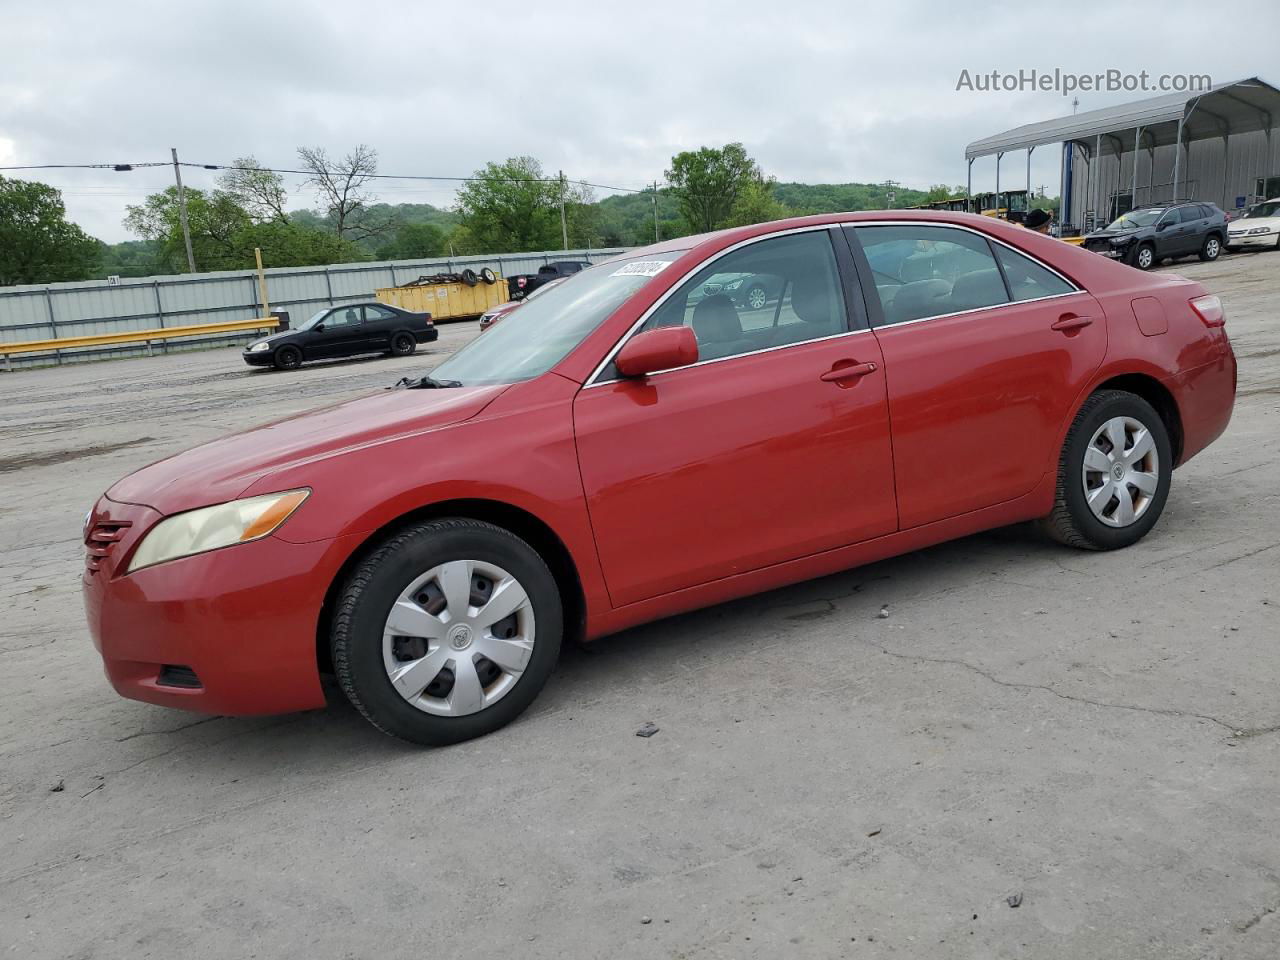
(1209, 310)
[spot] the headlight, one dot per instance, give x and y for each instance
(1257, 230)
(210, 528)
(259, 347)
(1120, 241)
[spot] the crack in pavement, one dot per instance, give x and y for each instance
(156, 733)
(1237, 731)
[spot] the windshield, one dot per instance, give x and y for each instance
(314, 319)
(1271, 209)
(541, 333)
(1136, 218)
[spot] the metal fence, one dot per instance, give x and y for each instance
(49, 311)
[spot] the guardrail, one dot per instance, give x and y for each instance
(58, 344)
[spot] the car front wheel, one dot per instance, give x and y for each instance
(287, 358)
(1145, 257)
(757, 297)
(1113, 475)
(446, 631)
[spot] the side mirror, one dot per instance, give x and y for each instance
(1162, 225)
(654, 350)
(318, 328)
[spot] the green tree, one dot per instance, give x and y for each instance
(413, 241)
(37, 242)
(756, 204)
(708, 183)
(513, 206)
(214, 220)
(261, 192)
(289, 245)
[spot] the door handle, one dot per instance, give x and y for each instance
(1070, 322)
(850, 372)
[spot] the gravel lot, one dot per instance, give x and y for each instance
(1099, 734)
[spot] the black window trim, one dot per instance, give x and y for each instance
(856, 319)
(876, 311)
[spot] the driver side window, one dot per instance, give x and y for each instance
(342, 317)
(771, 293)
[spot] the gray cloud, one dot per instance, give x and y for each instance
(819, 92)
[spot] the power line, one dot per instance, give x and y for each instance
(125, 167)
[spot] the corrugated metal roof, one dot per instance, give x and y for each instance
(1235, 107)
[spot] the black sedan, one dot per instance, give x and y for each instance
(1142, 238)
(346, 331)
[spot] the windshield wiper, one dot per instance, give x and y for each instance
(423, 383)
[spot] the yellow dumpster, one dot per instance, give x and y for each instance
(446, 300)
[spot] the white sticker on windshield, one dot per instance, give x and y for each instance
(641, 268)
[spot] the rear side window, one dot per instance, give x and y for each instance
(924, 271)
(1027, 279)
(377, 313)
(1189, 214)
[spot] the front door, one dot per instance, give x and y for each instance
(983, 358)
(762, 452)
(342, 334)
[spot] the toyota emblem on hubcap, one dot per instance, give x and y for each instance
(460, 637)
(1118, 471)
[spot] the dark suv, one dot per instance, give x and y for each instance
(1144, 237)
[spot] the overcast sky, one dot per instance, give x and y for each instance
(818, 92)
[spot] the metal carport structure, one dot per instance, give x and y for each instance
(1241, 115)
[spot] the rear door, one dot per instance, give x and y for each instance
(985, 351)
(773, 446)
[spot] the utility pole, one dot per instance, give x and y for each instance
(182, 211)
(656, 238)
(889, 194)
(564, 228)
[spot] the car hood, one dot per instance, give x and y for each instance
(1248, 223)
(1108, 234)
(224, 469)
(272, 338)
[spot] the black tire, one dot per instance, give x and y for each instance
(1212, 248)
(488, 276)
(287, 358)
(1144, 258)
(1072, 522)
(469, 277)
(403, 344)
(374, 585)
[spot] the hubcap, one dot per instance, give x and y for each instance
(1121, 471)
(756, 298)
(1212, 248)
(458, 638)
(1144, 257)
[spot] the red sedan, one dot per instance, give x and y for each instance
(630, 445)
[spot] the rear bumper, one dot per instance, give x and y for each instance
(430, 335)
(243, 618)
(1206, 397)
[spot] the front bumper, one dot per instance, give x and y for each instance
(1257, 240)
(260, 359)
(243, 618)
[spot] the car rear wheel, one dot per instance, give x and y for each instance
(287, 358)
(1211, 249)
(446, 631)
(1145, 257)
(1114, 473)
(403, 344)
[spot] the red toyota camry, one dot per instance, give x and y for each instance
(637, 443)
